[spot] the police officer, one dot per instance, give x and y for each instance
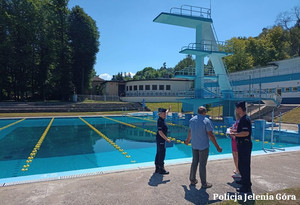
(244, 146)
(161, 138)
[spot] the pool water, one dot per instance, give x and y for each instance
(90, 142)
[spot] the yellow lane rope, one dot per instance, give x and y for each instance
(37, 147)
(168, 123)
(129, 125)
(2, 128)
(108, 140)
(146, 130)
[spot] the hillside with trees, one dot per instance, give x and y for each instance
(280, 42)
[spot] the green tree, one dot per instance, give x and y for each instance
(240, 60)
(21, 30)
(84, 37)
(5, 78)
(146, 73)
(186, 62)
(60, 78)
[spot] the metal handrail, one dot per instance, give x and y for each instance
(192, 11)
(207, 45)
(189, 71)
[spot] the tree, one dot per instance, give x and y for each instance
(21, 37)
(186, 62)
(290, 21)
(240, 60)
(146, 73)
(84, 37)
(5, 78)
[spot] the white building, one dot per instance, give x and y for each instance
(158, 90)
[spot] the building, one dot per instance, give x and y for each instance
(280, 78)
(96, 83)
(158, 90)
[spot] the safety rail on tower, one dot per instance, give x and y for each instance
(194, 11)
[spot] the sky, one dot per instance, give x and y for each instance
(131, 41)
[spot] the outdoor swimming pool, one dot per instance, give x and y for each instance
(51, 145)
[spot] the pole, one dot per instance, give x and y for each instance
(280, 122)
(272, 133)
(263, 136)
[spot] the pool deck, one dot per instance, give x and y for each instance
(270, 172)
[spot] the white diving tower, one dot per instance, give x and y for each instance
(206, 45)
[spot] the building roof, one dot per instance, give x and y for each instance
(97, 79)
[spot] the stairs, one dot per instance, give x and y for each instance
(266, 112)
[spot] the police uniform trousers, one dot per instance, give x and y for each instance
(244, 147)
(160, 153)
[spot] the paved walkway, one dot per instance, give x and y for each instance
(269, 173)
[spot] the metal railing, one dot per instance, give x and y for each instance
(191, 71)
(195, 11)
(187, 71)
(81, 98)
(210, 46)
(259, 95)
(189, 94)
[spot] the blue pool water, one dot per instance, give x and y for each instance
(74, 144)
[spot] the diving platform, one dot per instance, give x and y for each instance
(206, 48)
(185, 16)
(206, 45)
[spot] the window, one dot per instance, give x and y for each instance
(287, 89)
(127, 88)
(161, 87)
(141, 87)
(271, 90)
(295, 89)
(279, 90)
(147, 87)
(135, 87)
(154, 87)
(168, 87)
(130, 87)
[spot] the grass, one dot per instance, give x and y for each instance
(175, 107)
(290, 117)
(290, 191)
(46, 114)
(214, 111)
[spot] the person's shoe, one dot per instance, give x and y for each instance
(206, 186)
(237, 175)
(163, 171)
(194, 182)
(156, 169)
(239, 182)
(244, 189)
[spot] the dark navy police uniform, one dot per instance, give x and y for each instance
(244, 146)
(160, 143)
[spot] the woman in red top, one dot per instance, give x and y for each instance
(234, 147)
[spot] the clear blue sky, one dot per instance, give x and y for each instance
(131, 41)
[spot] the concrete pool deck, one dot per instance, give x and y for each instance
(270, 172)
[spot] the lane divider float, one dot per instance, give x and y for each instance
(146, 130)
(37, 147)
(168, 123)
(108, 140)
(2, 128)
(124, 123)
